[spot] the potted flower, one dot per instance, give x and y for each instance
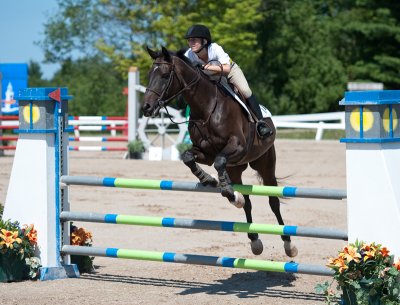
(81, 237)
(17, 252)
(136, 149)
(365, 275)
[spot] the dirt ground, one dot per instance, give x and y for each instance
(120, 281)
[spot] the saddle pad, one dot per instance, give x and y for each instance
(265, 112)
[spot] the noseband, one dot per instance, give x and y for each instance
(161, 102)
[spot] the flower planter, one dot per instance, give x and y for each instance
(135, 155)
(348, 297)
(12, 269)
(84, 263)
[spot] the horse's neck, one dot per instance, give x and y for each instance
(201, 95)
(201, 99)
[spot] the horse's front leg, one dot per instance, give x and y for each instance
(205, 179)
(227, 191)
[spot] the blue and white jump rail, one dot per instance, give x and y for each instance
(39, 183)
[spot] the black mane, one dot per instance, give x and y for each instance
(181, 54)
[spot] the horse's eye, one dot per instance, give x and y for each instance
(165, 75)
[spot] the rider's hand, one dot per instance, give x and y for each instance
(200, 66)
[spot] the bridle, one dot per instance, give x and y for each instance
(161, 102)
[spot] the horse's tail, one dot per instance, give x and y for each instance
(279, 180)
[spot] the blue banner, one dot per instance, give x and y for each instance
(14, 77)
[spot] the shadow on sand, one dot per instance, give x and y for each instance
(243, 285)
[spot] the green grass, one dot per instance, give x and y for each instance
(305, 134)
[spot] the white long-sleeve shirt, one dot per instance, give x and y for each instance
(215, 52)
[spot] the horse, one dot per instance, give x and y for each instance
(221, 132)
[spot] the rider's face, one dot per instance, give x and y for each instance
(195, 43)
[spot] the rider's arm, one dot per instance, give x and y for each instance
(217, 53)
(217, 69)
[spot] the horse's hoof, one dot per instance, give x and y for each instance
(290, 250)
(257, 246)
(213, 181)
(239, 200)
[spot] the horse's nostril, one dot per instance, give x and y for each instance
(146, 106)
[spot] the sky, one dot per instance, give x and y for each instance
(21, 24)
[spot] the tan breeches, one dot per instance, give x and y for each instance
(237, 78)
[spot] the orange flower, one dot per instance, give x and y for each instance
(397, 265)
(79, 237)
(31, 233)
(384, 251)
(350, 254)
(8, 238)
(338, 262)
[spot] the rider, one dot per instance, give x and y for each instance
(202, 50)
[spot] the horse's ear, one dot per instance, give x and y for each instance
(152, 53)
(166, 54)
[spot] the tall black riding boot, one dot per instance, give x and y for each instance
(263, 130)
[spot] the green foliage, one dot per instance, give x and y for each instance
(182, 147)
(1, 211)
(298, 55)
(97, 89)
(136, 146)
(120, 29)
(366, 36)
(297, 71)
(35, 78)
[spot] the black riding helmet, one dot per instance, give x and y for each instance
(199, 31)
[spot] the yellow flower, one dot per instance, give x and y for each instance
(350, 253)
(8, 238)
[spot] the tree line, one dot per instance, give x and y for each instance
(298, 55)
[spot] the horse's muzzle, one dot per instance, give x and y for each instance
(151, 111)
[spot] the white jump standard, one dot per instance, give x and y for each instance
(373, 166)
(33, 195)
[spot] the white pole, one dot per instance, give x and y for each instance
(133, 103)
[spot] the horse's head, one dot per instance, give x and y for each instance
(164, 84)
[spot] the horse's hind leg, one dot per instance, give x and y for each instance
(205, 179)
(236, 175)
(265, 166)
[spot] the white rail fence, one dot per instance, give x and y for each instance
(318, 121)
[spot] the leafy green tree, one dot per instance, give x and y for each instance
(120, 29)
(366, 36)
(297, 71)
(298, 55)
(96, 88)
(35, 75)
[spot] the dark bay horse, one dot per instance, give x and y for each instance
(220, 130)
